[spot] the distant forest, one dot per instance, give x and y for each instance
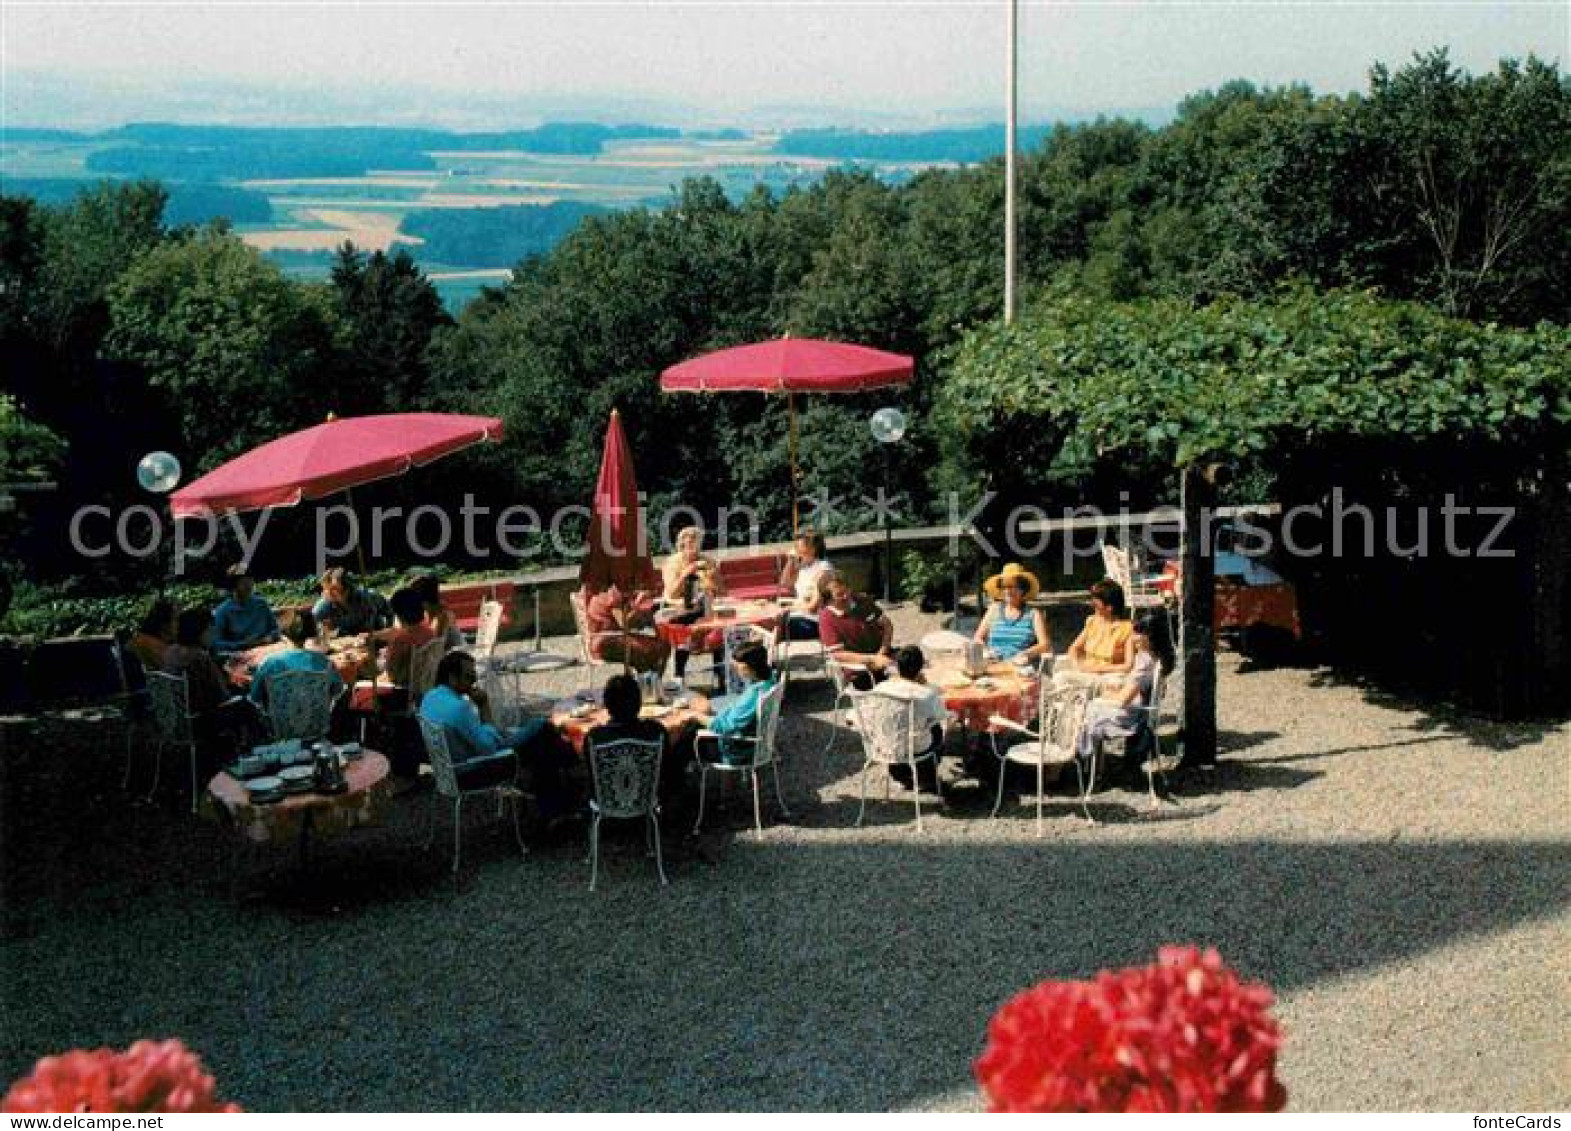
(212, 153)
(189, 203)
(494, 237)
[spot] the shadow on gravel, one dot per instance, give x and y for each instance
(796, 972)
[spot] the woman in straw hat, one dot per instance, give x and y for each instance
(1012, 629)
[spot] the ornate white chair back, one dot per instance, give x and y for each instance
(171, 699)
(300, 704)
(441, 757)
(487, 628)
(887, 726)
(626, 776)
(422, 668)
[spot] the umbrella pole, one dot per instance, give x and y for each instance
(791, 412)
(349, 495)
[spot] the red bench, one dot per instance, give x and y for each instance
(752, 578)
(464, 601)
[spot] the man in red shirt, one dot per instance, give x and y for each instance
(852, 626)
(411, 631)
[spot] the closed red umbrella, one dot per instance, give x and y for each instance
(790, 366)
(618, 548)
(329, 458)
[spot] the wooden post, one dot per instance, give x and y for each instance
(1198, 643)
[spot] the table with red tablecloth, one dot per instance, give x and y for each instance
(575, 723)
(1004, 690)
(348, 659)
(704, 634)
(298, 816)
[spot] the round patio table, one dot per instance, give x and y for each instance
(242, 665)
(763, 614)
(576, 727)
(297, 816)
(1002, 691)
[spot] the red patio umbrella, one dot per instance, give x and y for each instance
(618, 548)
(790, 366)
(329, 458)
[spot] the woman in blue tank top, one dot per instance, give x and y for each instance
(1012, 629)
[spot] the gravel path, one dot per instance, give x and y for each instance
(1399, 876)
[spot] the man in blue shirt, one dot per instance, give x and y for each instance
(243, 620)
(484, 755)
(298, 629)
(348, 608)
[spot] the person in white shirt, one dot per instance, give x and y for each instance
(929, 712)
(801, 575)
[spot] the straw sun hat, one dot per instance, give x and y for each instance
(994, 585)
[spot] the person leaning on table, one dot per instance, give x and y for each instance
(349, 608)
(484, 755)
(299, 628)
(854, 629)
(689, 575)
(624, 701)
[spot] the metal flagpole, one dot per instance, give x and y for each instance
(1009, 166)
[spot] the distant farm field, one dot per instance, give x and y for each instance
(309, 217)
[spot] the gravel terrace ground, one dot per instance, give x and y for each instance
(1398, 875)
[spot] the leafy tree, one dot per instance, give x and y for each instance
(387, 314)
(241, 353)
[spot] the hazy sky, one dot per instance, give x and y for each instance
(477, 64)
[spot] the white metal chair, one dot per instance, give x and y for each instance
(1060, 713)
(447, 785)
(1158, 721)
(1139, 592)
(299, 704)
(786, 649)
(174, 724)
(843, 677)
(422, 669)
(588, 641)
(762, 744)
(890, 737)
(626, 777)
(488, 626)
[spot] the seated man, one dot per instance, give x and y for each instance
(441, 617)
(930, 714)
(623, 700)
(243, 620)
(631, 620)
(349, 608)
(299, 628)
(853, 628)
(485, 756)
(154, 635)
(736, 716)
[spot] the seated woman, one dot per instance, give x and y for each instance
(732, 717)
(690, 576)
(1103, 644)
(853, 628)
(801, 575)
(1115, 712)
(243, 620)
(349, 608)
(1011, 628)
(623, 700)
(154, 635)
(221, 719)
(484, 755)
(628, 627)
(299, 628)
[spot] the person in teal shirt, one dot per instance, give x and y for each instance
(244, 620)
(298, 629)
(735, 716)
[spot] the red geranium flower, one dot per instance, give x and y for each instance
(1183, 1034)
(149, 1076)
